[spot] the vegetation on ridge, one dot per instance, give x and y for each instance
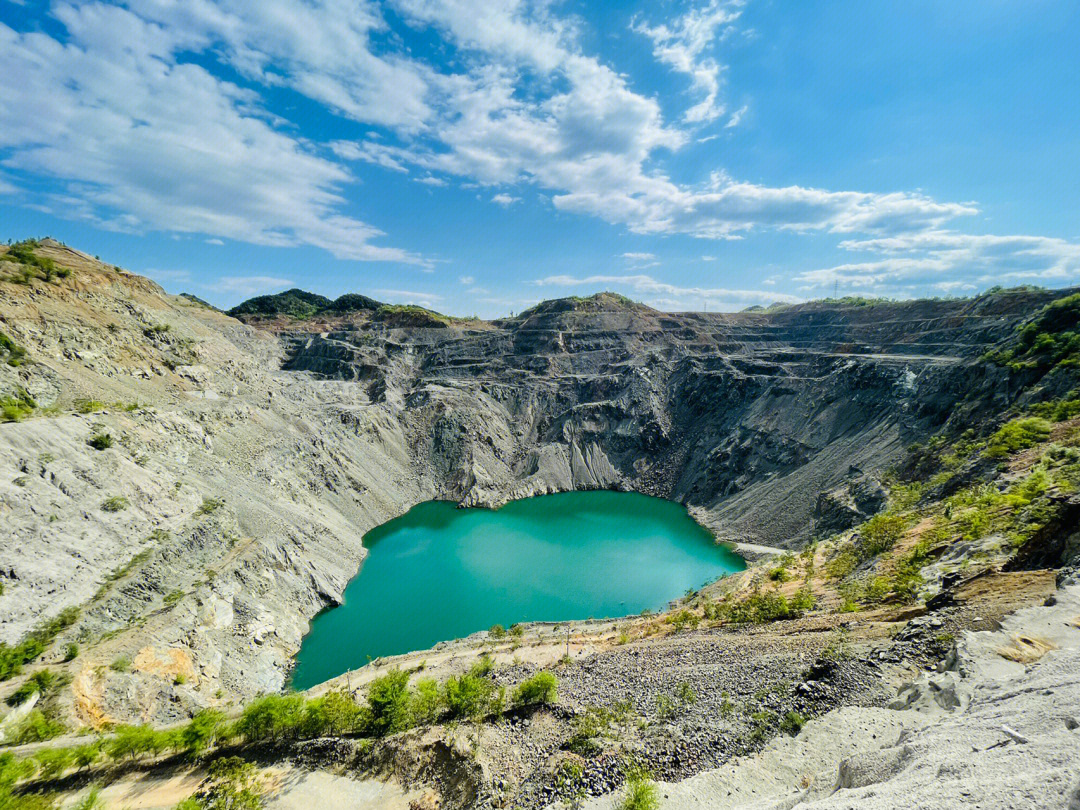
(1051, 339)
(29, 265)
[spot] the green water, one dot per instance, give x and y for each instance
(439, 572)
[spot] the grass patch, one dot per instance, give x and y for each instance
(16, 407)
(11, 352)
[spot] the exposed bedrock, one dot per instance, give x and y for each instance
(249, 464)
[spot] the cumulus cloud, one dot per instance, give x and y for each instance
(681, 44)
(143, 140)
(141, 136)
(923, 258)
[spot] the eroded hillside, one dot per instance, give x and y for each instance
(197, 488)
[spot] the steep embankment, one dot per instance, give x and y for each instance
(199, 487)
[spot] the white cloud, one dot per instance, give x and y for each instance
(6, 187)
(430, 180)
(590, 139)
(671, 296)
(215, 241)
(145, 141)
(141, 137)
(708, 258)
(247, 286)
(921, 258)
(640, 257)
(466, 280)
(736, 117)
(681, 45)
(369, 152)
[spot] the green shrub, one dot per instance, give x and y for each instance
(727, 708)
(792, 723)
(332, 713)
(665, 707)
(54, 762)
(202, 732)
(121, 664)
(880, 533)
(640, 792)
(682, 620)
(13, 658)
(541, 688)
(117, 503)
(35, 727)
(91, 801)
(233, 784)
(41, 681)
(803, 601)
(87, 754)
(470, 696)
(14, 354)
(1050, 339)
(591, 725)
(100, 441)
(388, 702)
(131, 742)
(497, 631)
(427, 702)
(1019, 434)
(33, 266)
(685, 693)
(209, 506)
(71, 652)
(273, 718)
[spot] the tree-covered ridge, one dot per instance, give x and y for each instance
(296, 303)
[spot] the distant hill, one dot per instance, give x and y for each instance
(296, 303)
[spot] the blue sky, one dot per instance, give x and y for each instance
(479, 156)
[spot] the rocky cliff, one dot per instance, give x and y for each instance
(198, 487)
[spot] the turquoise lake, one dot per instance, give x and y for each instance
(439, 572)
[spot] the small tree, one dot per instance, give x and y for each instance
(202, 732)
(541, 688)
(388, 700)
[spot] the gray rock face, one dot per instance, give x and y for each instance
(250, 465)
(749, 417)
(848, 505)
